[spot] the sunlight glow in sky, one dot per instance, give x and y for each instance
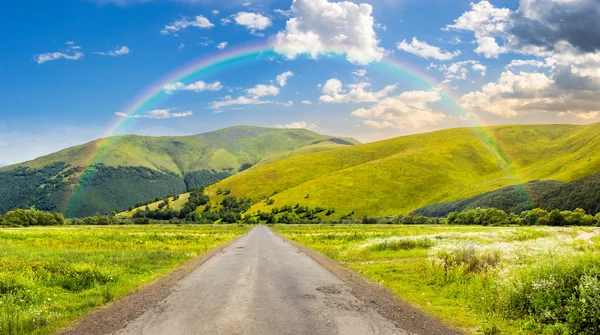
(68, 69)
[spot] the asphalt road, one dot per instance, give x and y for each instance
(260, 285)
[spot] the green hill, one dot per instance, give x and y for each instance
(403, 174)
(582, 193)
(120, 171)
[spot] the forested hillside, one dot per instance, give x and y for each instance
(583, 193)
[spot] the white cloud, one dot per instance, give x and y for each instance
(486, 21)
(215, 12)
(283, 78)
(511, 94)
(263, 90)
(459, 70)
(157, 114)
(480, 68)
(225, 21)
(285, 13)
(407, 110)
(252, 21)
(222, 45)
(70, 42)
(360, 73)
(199, 86)
(531, 63)
(306, 102)
(297, 125)
(178, 25)
(335, 92)
(424, 50)
(117, 52)
(320, 27)
(42, 58)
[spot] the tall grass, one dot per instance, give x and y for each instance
(490, 280)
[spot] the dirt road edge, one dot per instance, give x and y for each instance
(378, 297)
(116, 315)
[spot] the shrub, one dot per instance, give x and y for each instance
(400, 243)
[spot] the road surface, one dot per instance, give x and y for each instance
(260, 285)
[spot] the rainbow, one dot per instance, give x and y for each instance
(251, 53)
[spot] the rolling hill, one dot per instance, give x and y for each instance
(406, 173)
(120, 171)
(582, 193)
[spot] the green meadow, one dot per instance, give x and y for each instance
(481, 280)
(52, 276)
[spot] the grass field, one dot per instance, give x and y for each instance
(491, 280)
(52, 276)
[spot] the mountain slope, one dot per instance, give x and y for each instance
(582, 193)
(406, 173)
(227, 148)
(121, 171)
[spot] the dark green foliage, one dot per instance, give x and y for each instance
(204, 178)
(512, 199)
(245, 166)
(105, 189)
(99, 189)
(197, 199)
(31, 217)
(583, 193)
(27, 188)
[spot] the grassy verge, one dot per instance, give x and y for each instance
(52, 276)
(491, 280)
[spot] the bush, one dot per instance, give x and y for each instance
(32, 217)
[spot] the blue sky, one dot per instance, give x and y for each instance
(69, 68)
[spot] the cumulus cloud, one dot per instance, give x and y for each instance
(222, 45)
(117, 52)
(283, 78)
(157, 114)
(424, 50)
(263, 90)
(252, 21)
(335, 92)
(407, 110)
(563, 36)
(306, 102)
(199, 86)
(182, 24)
(486, 22)
(459, 70)
(215, 12)
(297, 125)
(513, 93)
(320, 27)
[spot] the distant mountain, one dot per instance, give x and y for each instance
(582, 193)
(404, 174)
(120, 171)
